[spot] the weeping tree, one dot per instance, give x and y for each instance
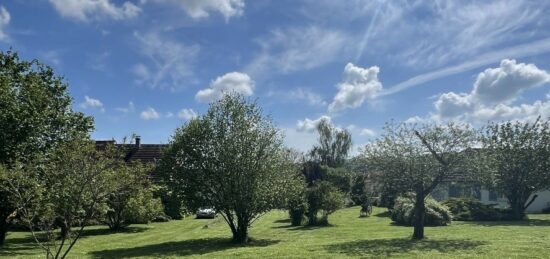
(418, 158)
(516, 161)
(230, 159)
(35, 119)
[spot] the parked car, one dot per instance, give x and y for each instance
(206, 213)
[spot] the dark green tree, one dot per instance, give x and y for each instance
(333, 147)
(35, 118)
(231, 159)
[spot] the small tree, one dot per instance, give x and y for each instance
(130, 199)
(325, 199)
(516, 161)
(231, 159)
(67, 192)
(418, 158)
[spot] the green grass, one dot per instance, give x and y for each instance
(348, 236)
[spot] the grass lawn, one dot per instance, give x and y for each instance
(348, 236)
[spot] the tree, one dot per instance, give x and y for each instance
(516, 161)
(322, 197)
(334, 145)
(67, 192)
(418, 158)
(130, 198)
(231, 159)
(35, 118)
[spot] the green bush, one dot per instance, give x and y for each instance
(143, 208)
(323, 198)
(402, 213)
(465, 209)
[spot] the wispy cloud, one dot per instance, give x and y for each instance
(88, 10)
(5, 18)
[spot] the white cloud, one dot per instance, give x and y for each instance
(169, 115)
(87, 10)
(4, 21)
(300, 140)
(299, 94)
(170, 62)
(309, 125)
(367, 132)
(358, 84)
(298, 48)
(128, 109)
(492, 96)
(92, 103)
(201, 8)
(187, 114)
(150, 114)
(231, 82)
(505, 83)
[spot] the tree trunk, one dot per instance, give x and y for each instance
(517, 206)
(3, 231)
(419, 213)
(240, 236)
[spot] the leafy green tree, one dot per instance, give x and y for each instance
(35, 118)
(130, 198)
(334, 145)
(67, 192)
(516, 161)
(231, 159)
(418, 158)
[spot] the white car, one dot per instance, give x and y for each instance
(206, 213)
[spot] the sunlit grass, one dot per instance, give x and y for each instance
(347, 236)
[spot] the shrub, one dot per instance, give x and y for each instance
(465, 209)
(402, 213)
(143, 208)
(325, 199)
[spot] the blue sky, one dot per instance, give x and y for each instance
(147, 66)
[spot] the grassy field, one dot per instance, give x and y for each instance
(348, 236)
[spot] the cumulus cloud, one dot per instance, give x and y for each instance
(493, 93)
(358, 84)
(309, 125)
(505, 83)
(231, 82)
(87, 10)
(150, 114)
(92, 103)
(170, 62)
(298, 48)
(187, 114)
(202, 8)
(4, 21)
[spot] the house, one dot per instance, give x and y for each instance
(144, 153)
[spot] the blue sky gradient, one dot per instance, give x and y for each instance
(148, 66)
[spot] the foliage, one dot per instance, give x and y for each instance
(231, 159)
(35, 118)
(402, 213)
(515, 161)
(466, 209)
(66, 192)
(131, 194)
(325, 199)
(334, 145)
(172, 204)
(417, 158)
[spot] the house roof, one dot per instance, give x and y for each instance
(145, 153)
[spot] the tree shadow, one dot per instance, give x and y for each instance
(385, 214)
(282, 221)
(107, 231)
(388, 247)
(305, 227)
(179, 248)
(525, 223)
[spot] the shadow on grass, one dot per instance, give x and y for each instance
(305, 227)
(179, 248)
(526, 223)
(389, 247)
(107, 231)
(385, 214)
(282, 221)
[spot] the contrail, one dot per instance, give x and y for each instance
(368, 32)
(518, 51)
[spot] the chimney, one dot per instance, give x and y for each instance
(138, 141)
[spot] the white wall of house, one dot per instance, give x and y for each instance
(541, 202)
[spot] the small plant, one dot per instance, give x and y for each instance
(465, 209)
